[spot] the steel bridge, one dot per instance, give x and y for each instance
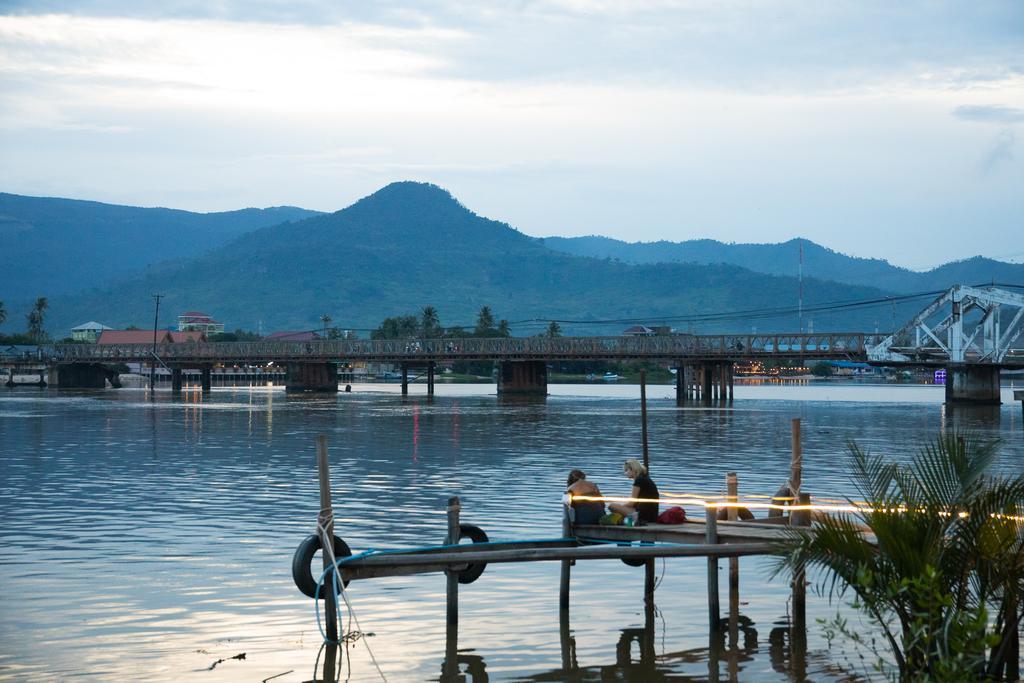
(681, 348)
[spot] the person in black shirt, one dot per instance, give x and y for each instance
(643, 487)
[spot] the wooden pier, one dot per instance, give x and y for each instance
(719, 534)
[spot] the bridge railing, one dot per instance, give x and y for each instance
(665, 347)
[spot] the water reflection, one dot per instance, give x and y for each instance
(197, 502)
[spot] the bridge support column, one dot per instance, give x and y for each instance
(176, 380)
(205, 375)
(523, 378)
(681, 386)
(312, 377)
(706, 388)
(972, 384)
(81, 376)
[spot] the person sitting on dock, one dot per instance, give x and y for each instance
(585, 511)
(643, 487)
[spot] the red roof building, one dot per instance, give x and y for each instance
(133, 337)
(146, 337)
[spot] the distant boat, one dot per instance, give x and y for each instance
(610, 377)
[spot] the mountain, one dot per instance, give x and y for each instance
(55, 246)
(784, 258)
(411, 245)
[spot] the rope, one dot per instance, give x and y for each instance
(324, 520)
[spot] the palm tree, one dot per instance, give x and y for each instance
(429, 322)
(948, 553)
(35, 320)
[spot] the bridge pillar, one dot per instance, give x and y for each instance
(310, 377)
(176, 380)
(524, 378)
(205, 375)
(681, 387)
(972, 384)
(81, 376)
(707, 389)
(431, 366)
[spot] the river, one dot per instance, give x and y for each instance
(148, 539)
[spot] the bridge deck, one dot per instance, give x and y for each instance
(683, 348)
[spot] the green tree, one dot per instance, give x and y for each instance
(822, 369)
(484, 322)
(944, 577)
(35, 320)
(554, 330)
(400, 327)
(430, 324)
(503, 329)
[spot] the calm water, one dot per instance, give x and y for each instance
(146, 540)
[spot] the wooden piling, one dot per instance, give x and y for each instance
(326, 520)
(405, 379)
(800, 518)
(711, 537)
(732, 496)
(454, 508)
(563, 587)
(796, 462)
(643, 417)
(731, 374)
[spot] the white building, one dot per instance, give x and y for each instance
(88, 332)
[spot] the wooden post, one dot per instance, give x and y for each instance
(454, 507)
(205, 379)
(732, 496)
(567, 642)
(711, 537)
(643, 417)
(430, 377)
(800, 518)
(326, 519)
(563, 587)
(731, 373)
(796, 462)
(680, 385)
(405, 379)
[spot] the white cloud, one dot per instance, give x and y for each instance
(739, 120)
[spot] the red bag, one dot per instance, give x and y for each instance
(674, 515)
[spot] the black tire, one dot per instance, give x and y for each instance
(302, 561)
(635, 561)
(742, 514)
(476, 535)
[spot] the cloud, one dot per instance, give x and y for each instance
(990, 113)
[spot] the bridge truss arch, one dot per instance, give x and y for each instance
(977, 325)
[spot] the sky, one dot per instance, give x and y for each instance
(892, 130)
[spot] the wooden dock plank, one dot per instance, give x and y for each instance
(382, 565)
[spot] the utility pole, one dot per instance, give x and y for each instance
(156, 324)
(800, 277)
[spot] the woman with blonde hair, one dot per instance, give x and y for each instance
(643, 488)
